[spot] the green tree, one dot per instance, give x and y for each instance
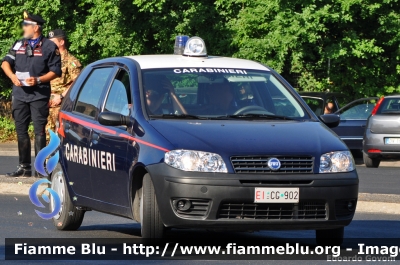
(359, 39)
(300, 39)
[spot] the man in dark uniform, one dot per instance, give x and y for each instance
(31, 64)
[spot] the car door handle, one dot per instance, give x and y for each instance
(94, 139)
(363, 125)
(95, 136)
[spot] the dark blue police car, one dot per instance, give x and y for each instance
(195, 141)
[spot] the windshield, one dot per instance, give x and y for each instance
(218, 93)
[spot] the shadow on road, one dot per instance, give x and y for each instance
(357, 229)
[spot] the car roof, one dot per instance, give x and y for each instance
(179, 61)
(320, 94)
(393, 96)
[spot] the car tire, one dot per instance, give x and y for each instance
(330, 237)
(371, 162)
(150, 218)
(69, 218)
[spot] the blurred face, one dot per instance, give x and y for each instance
(329, 108)
(153, 99)
(29, 30)
(58, 42)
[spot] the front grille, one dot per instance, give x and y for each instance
(310, 210)
(199, 209)
(259, 164)
(275, 182)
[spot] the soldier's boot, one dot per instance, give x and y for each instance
(40, 143)
(24, 152)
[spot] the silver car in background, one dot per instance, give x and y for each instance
(382, 135)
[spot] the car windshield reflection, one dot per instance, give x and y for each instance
(214, 95)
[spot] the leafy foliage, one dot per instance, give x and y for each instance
(7, 128)
(344, 45)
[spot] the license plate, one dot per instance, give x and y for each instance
(276, 195)
(392, 140)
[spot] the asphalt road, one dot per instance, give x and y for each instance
(384, 180)
(99, 225)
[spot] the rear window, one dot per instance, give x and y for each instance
(390, 106)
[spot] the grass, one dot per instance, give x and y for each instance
(7, 130)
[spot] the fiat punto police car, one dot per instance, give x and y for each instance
(197, 141)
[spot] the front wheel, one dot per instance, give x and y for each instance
(371, 162)
(150, 218)
(69, 217)
(330, 237)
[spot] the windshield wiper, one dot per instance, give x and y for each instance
(248, 116)
(178, 116)
(255, 116)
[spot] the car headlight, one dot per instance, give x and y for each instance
(188, 160)
(341, 161)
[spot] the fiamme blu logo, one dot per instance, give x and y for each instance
(51, 153)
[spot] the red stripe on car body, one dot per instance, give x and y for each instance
(101, 128)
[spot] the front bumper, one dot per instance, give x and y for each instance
(377, 141)
(226, 201)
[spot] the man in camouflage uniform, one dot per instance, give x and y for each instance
(71, 67)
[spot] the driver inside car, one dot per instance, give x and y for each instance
(155, 89)
(220, 99)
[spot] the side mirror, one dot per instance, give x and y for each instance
(113, 119)
(330, 120)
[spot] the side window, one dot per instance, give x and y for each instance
(119, 98)
(359, 110)
(90, 93)
(315, 104)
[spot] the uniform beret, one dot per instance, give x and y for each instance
(57, 33)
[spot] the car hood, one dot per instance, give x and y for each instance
(242, 137)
